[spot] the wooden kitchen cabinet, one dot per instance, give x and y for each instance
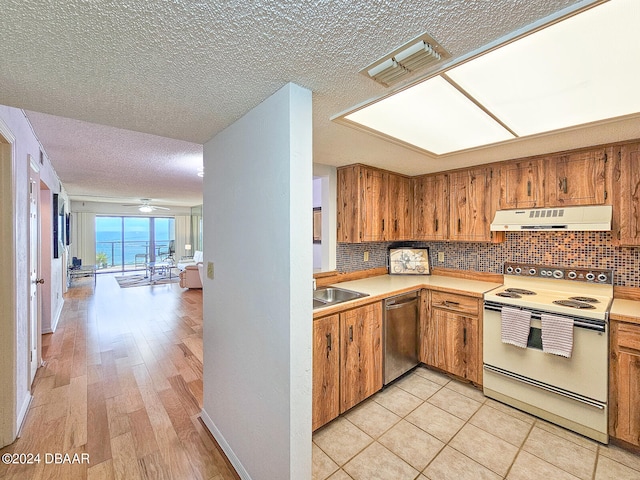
(576, 178)
(522, 184)
(627, 201)
(326, 370)
(373, 205)
(399, 208)
(450, 335)
(624, 382)
(430, 207)
(471, 205)
(360, 354)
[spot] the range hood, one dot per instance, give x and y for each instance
(570, 219)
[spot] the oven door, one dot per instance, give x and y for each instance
(571, 392)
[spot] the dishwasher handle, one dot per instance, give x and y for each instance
(393, 305)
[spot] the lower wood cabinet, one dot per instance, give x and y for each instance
(360, 354)
(624, 382)
(451, 335)
(326, 370)
(347, 361)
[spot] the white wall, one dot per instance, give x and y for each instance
(258, 307)
(329, 181)
(14, 274)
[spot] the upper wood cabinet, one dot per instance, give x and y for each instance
(399, 207)
(627, 201)
(522, 184)
(430, 207)
(470, 205)
(373, 205)
(576, 179)
(326, 370)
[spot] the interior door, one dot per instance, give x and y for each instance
(34, 298)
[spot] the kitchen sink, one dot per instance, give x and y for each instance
(326, 296)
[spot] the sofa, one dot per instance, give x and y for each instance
(191, 271)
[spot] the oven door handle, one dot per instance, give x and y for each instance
(588, 324)
(545, 387)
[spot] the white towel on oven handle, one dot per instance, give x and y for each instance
(516, 324)
(557, 335)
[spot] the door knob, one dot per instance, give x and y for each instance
(39, 280)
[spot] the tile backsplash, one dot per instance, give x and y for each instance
(565, 249)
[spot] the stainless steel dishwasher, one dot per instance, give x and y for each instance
(400, 335)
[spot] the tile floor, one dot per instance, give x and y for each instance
(427, 426)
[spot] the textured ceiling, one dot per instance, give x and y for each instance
(185, 70)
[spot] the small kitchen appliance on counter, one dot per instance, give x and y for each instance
(558, 370)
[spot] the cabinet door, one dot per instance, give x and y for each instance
(470, 205)
(576, 179)
(624, 385)
(360, 354)
(521, 185)
(457, 343)
(348, 206)
(326, 370)
(374, 205)
(629, 195)
(430, 207)
(400, 205)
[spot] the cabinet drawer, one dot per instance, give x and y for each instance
(454, 303)
(629, 337)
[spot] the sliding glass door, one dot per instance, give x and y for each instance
(128, 243)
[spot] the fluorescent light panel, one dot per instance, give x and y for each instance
(434, 116)
(581, 70)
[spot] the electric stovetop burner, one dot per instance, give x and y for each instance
(519, 291)
(585, 299)
(508, 294)
(574, 304)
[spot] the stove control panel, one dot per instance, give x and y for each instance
(590, 275)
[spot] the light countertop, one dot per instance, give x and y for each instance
(625, 310)
(384, 286)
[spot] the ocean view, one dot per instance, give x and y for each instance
(132, 233)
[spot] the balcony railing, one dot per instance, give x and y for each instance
(136, 254)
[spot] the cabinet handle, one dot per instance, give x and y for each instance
(464, 336)
(328, 342)
(529, 188)
(459, 225)
(395, 225)
(383, 224)
(563, 185)
(450, 303)
(350, 333)
(436, 224)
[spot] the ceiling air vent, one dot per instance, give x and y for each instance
(406, 60)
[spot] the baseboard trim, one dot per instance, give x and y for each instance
(22, 414)
(55, 319)
(226, 448)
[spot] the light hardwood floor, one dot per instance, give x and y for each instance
(121, 382)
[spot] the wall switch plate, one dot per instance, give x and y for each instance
(441, 256)
(210, 270)
(366, 256)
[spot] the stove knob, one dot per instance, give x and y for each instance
(558, 274)
(572, 275)
(543, 273)
(509, 269)
(590, 276)
(602, 277)
(532, 271)
(518, 270)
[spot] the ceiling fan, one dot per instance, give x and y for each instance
(145, 206)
